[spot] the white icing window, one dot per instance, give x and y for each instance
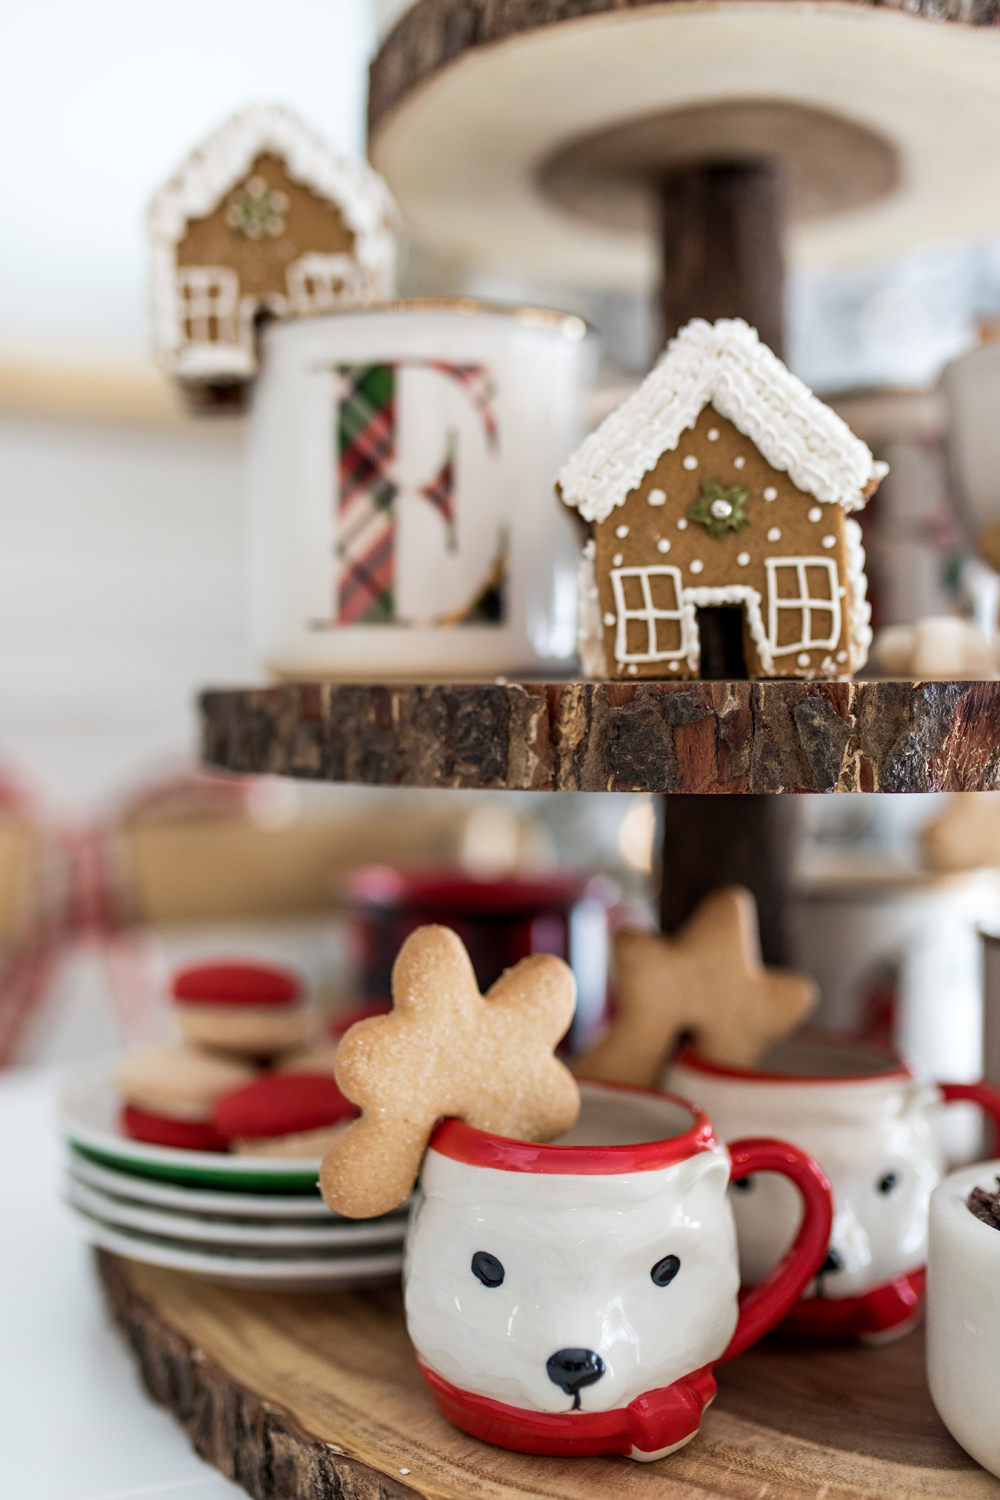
(650, 618)
(803, 603)
(208, 298)
(317, 283)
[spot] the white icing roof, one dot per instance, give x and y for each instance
(224, 157)
(726, 364)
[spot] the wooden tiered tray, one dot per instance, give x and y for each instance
(742, 737)
(319, 1398)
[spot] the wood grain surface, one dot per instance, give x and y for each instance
(433, 33)
(714, 737)
(312, 1398)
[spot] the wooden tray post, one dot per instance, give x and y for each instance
(723, 230)
(712, 841)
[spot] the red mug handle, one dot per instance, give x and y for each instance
(983, 1094)
(764, 1305)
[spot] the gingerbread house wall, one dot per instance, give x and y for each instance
(651, 555)
(311, 225)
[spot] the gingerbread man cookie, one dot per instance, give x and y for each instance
(708, 982)
(446, 1050)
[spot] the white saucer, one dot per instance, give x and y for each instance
(285, 1273)
(265, 1236)
(88, 1114)
(275, 1207)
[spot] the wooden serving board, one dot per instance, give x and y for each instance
(731, 737)
(318, 1398)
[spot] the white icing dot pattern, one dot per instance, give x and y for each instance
(774, 535)
(617, 559)
(621, 531)
(770, 493)
(803, 658)
(633, 670)
(663, 545)
(696, 565)
(657, 497)
(713, 434)
(738, 462)
(610, 619)
(690, 462)
(815, 514)
(682, 524)
(743, 559)
(829, 541)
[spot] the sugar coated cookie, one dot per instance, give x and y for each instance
(161, 1130)
(446, 1050)
(182, 1083)
(282, 1104)
(250, 1008)
(708, 982)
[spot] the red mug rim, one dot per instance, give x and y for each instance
(479, 1148)
(895, 1067)
(402, 889)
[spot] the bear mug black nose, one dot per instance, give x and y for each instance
(833, 1262)
(572, 1369)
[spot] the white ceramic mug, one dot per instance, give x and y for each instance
(868, 1120)
(963, 1315)
(572, 1298)
(401, 462)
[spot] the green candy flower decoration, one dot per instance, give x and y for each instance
(720, 509)
(256, 211)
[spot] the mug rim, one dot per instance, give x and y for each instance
(948, 1199)
(529, 315)
(480, 1148)
(897, 1068)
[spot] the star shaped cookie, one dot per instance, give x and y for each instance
(446, 1050)
(707, 982)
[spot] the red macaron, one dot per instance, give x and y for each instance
(162, 1130)
(236, 984)
(282, 1104)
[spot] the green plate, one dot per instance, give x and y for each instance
(88, 1115)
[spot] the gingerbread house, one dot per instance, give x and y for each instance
(262, 219)
(718, 499)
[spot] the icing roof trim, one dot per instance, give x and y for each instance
(224, 158)
(726, 364)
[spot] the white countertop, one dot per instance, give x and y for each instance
(75, 1423)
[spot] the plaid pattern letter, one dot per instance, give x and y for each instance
(366, 510)
(479, 386)
(440, 492)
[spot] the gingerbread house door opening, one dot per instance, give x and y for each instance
(721, 632)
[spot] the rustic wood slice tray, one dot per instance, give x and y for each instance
(742, 737)
(313, 1397)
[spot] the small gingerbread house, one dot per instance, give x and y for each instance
(718, 498)
(263, 218)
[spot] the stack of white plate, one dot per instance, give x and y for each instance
(250, 1221)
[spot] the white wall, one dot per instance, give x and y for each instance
(101, 101)
(122, 547)
(122, 590)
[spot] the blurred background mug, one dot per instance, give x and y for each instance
(868, 1121)
(401, 467)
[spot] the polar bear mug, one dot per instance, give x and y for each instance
(572, 1298)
